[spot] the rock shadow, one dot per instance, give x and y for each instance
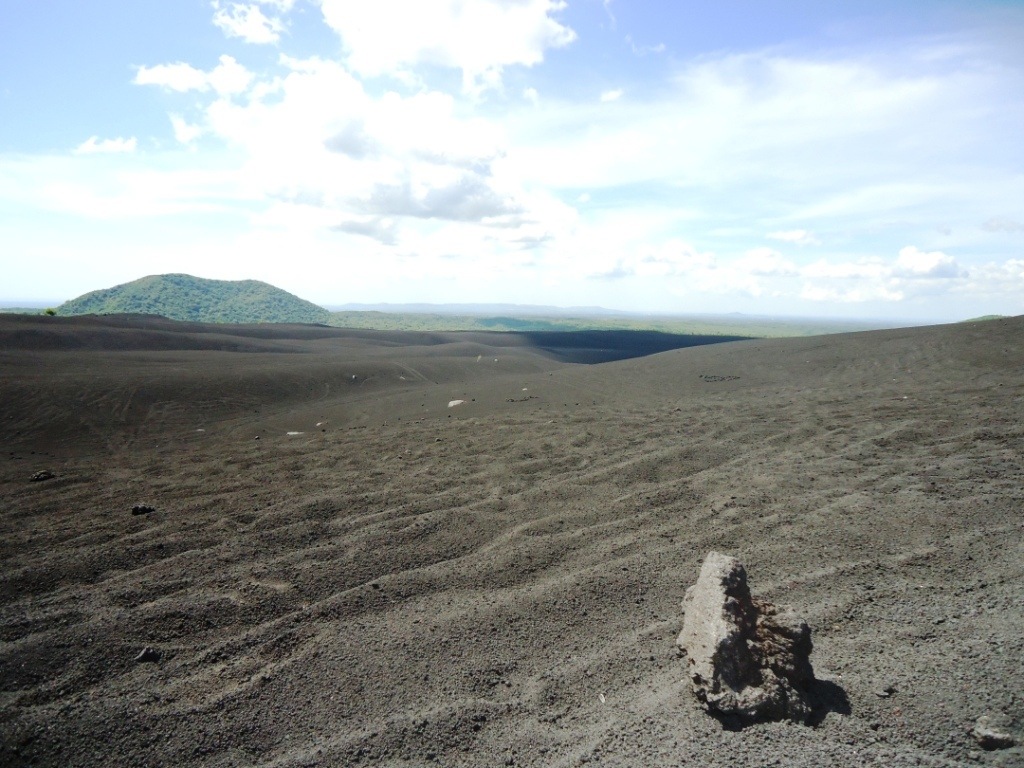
(591, 347)
(827, 697)
(824, 696)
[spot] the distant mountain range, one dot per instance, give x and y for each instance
(195, 299)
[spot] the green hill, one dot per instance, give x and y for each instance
(983, 318)
(184, 297)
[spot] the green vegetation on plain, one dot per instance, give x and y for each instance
(23, 311)
(725, 325)
(195, 299)
(983, 318)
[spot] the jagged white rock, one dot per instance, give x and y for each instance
(746, 658)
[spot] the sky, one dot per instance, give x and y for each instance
(855, 158)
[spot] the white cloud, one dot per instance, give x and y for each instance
(179, 77)
(795, 236)
(766, 262)
(608, 11)
(247, 21)
(812, 139)
(184, 131)
(390, 168)
(94, 145)
(612, 250)
(995, 281)
(673, 189)
(479, 38)
(644, 50)
(380, 228)
(114, 189)
(911, 274)
(673, 258)
(228, 77)
(855, 295)
(915, 263)
(466, 196)
(766, 273)
(863, 269)
(683, 268)
(1003, 224)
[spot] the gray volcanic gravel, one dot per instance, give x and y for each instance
(401, 583)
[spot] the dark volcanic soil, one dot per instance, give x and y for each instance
(330, 566)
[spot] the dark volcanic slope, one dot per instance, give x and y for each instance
(498, 583)
(116, 377)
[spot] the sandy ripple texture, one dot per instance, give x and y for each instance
(331, 567)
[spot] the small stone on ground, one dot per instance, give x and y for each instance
(148, 655)
(989, 736)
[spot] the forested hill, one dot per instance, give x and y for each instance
(184, 297)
